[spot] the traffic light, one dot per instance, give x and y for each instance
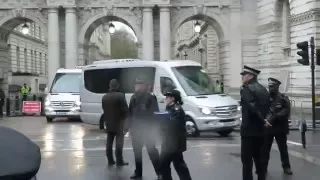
(318, 56)
(304, 53)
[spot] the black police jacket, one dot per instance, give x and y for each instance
(279, 113)
(141, 111)
(255, 106)
(174, 130)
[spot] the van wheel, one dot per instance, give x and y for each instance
(225, 133)
(191, 128)
(49, 120)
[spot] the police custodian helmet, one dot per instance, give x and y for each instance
(173, 93)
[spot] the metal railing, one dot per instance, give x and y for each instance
(13, 104)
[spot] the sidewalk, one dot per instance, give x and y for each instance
(312, 151)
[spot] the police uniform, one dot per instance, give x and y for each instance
(141, 122)
(255, 105)
(174, 141)
(278, 117)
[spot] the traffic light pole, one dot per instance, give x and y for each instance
(313, 83)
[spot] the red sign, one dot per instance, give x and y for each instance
(31, 107)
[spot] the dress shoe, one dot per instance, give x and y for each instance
(122, 163)
(287, 171)
(136, 176)
(111, 163)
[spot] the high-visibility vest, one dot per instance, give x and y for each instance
(24, 90)
(218, 88)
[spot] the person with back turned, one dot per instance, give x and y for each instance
(115, 110)
(255, 105)
(278, 117)
(141, 123)
(174, 138)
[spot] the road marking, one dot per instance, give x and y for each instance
(294, 143)
(130, 148)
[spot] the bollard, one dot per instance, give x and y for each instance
(303, 130)
(8, 107)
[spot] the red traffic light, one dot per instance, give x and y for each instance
(303, 45)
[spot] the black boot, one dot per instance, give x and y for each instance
(136, 176)
(122, 163)
(287, 171)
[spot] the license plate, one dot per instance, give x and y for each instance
(229, 123)
(61, 113)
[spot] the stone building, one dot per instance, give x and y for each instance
(28, 58)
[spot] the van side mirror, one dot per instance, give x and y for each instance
(46, 90)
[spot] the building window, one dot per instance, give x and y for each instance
(25, 53)
(46, 64)
(41, 63)
(32, 63)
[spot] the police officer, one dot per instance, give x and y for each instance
(141, 123)
(278, 117)
(174, 138)
(255, 105)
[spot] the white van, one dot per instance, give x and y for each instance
(63, 98)
(206, 110)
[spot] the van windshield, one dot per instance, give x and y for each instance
(194, 80)
(66, 83)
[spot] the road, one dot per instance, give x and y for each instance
(73, 150)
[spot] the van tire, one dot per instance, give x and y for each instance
(191, 128)
(225, 133)
(49, 120)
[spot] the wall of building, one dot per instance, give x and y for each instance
(28, 57)
(101, 38)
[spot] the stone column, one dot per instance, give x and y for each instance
(165, 34)
(71, 38)
(235, 63)
(53, 44)
(148, 42)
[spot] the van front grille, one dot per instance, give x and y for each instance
(225, 111)
(62, 104)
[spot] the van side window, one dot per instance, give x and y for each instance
(97, 80)
(166, 83)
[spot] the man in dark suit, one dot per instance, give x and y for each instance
(115, 109)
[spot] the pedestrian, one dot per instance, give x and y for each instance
(174, 138)
(255, 105)
(218, 86)
(278, 117)
(141, 124)
(115, 110)
(2, 100)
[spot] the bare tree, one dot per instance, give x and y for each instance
(123, 45)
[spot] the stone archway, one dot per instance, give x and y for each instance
(11, 20)
(128, 17)
(216, 29)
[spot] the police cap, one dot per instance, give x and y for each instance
(273, 81)
(249, 70)
(173, 93)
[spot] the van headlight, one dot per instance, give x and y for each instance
(205, 110)
(239, 108)
(77, 103)
(47, 103)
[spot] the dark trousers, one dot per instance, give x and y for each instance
(119, 146)
(281, 139)
(178, 163)
(138, 141)
(1, 110)
(251, 150)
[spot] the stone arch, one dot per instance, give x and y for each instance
(8, 23)
(90, 25)
(213, 20)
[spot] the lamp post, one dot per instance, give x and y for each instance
(112, 28)
(185, 55)
(25, 28)
(197, 27)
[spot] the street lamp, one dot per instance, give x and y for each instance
(25, 29)
(197, 27)
(112, 28)
(185, 55)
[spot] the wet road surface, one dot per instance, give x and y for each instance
(73, 150)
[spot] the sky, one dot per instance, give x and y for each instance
(119, 25)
